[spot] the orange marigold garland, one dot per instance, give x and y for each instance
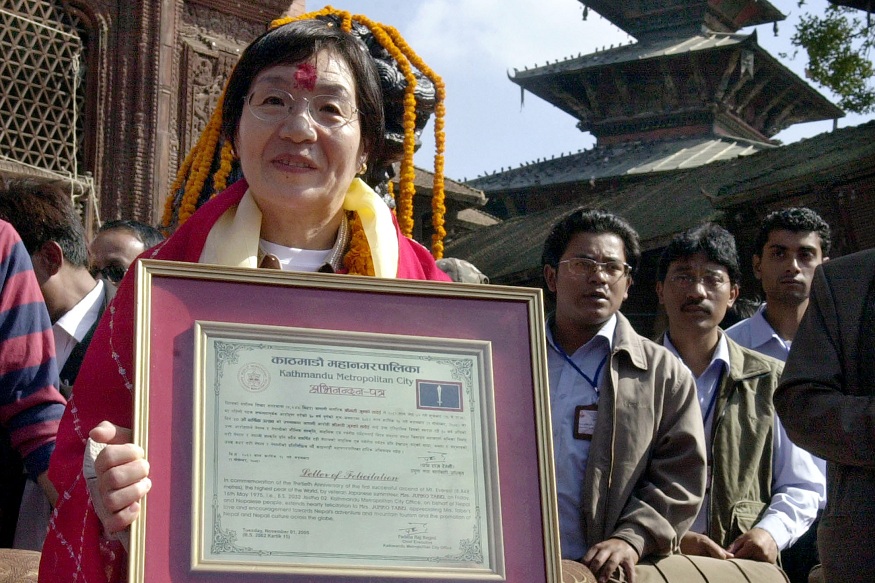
(437, 202)
(189, 186)
(438, 208)
(358, 259)
(194, 173)
(220, 180)
(195, 186)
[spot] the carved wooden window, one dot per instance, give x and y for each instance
(42, 88)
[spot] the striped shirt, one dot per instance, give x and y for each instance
(30, 404)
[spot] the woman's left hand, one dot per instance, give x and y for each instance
(122, 475)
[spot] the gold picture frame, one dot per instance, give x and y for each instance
(378, 341)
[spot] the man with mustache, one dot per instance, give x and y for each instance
(627, 433)
(790, 244)
(763, 491)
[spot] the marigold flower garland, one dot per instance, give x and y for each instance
(358, 259)
(195, 170)
(438, 207)
(200, 161)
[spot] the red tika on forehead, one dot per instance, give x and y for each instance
(305, 77)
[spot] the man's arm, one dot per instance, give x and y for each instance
(820, 412)
(667, 498)
(798, 488)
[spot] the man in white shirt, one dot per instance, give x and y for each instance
(52, 233)
(790, 244)
(763, 491)
(628, 442)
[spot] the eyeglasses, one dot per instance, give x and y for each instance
(581, 266)
(687, 281)
(275, 105)
(111, 273)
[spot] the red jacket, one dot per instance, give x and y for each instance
(76, 548)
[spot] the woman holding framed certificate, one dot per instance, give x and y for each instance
(302, 119)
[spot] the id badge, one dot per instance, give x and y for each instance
(584, 421)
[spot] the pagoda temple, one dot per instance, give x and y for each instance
(692, 90)
(684, 120)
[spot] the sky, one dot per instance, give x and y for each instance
(474, 44)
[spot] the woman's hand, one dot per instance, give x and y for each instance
(122, 475)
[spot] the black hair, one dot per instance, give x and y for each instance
(42, 211)
(296, 42)
(796, 220)
(714, 241)
(148, 235)
(584, 220)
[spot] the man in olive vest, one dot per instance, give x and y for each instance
(763, 491)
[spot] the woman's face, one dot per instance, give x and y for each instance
(296, 165)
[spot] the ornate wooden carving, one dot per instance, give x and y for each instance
(204, 75)
(671, 97)
(200, 20)
(769, 108)
(260, 12)
(622, 87)
(754, 92)
(593, 97)
(728, 69)
(779, 121)
(209, 42)
(41, 97)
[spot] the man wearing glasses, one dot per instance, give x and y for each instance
(763, 491)
(627, 435)
(117, 244)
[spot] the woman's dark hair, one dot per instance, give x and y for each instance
(294, 43)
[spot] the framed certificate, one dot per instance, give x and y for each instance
(333, 428)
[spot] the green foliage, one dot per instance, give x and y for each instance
(838, 44)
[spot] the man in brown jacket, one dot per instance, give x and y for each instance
(826, 400)
(627, 431)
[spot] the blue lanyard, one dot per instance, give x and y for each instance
(711, 404)
(714, 396)
(593, 382)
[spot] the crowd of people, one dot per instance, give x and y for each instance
(720, 449)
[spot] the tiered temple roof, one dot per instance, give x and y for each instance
(690, 91)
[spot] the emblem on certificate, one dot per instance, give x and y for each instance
(253, 377)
